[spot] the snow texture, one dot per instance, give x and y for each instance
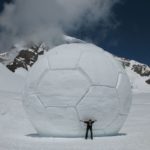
(10, 82)
(21, 72)
(74, 82)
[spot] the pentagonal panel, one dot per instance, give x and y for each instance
(116, 125)
(35, 74)
(101, 103)
(37, 113)
(64, 57)
(62, 87)
(99, 69)
(64, 121)
(124, 93)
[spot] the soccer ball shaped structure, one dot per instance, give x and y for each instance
(74, 82)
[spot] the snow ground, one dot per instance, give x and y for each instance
(16, 132)
(10, 82)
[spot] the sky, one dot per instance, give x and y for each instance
(131, 37)
(120, 27)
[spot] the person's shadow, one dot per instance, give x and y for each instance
(35, 135)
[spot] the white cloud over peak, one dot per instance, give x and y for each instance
(45, 19)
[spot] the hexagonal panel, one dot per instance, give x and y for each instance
(99, 69)
(64, 121)
(124, 93)
(102, 104)
(62, 87)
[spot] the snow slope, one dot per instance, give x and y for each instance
(10, 82)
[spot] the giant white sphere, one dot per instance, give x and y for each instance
(74, 82)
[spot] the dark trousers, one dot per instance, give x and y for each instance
(87, 131)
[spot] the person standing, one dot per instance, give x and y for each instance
(89, 127)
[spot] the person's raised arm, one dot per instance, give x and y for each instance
(84, 121)
(94, 121)
(81, 120)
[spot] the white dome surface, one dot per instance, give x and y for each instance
(74, 82)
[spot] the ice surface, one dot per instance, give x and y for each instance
(73, 82)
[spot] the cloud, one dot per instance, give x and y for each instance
(45, 20)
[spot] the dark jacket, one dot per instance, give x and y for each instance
(89, 123)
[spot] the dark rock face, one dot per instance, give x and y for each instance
(125, 62)
(148, 81)
(26, 58)
(141, 70)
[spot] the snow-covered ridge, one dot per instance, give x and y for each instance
(139, 68)
(138, 73)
